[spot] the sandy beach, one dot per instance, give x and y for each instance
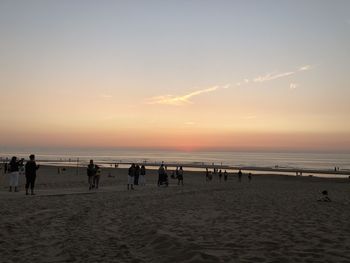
(272, 219)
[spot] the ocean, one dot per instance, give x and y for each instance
(317, 161)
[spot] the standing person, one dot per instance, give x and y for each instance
(161, 174)
(249, 177)
(97, 176)
(91, 171)
(14, 173)
(206, 174)
(137, 174)
(131, 175)
(225, 176)
(21, 166)
(180, 176)
(30, 171)
(142, 175)
(239, 175)
(220, 175)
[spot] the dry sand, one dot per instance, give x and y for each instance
(271, 219)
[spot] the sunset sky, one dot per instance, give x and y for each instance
(186, 75)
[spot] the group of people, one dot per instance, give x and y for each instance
(209, 175)
(15, 166)
(136, 176)
(94, 174)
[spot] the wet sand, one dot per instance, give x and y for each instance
(272, 219)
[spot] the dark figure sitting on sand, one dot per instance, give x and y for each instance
(324, 197)
(239, 175)
(180, 176)
(91, 172)
(30, 171)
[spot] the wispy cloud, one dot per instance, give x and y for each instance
(293, 86)
(189, 123)
(184, 99)
(272, 76)
(305, 68)
(105, 96)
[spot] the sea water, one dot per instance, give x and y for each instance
(294, 160)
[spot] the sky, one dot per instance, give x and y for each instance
(181, 75)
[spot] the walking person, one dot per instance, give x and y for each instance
(13, 169)
(97, 176)
(239, 175)
(142, 175)
(91, 172)
(131, 175)
(30, 172)
(180, 176)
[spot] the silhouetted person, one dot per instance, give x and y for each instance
(220, 175)
(239, 175)
(161, 175)
(249, 177)
(97, 176)
(225, 176)
(30, 171)
(137, 174)
(14, 173)
(131, 175)
(180, 176)
(142, 175)
(91, 172)
(206, 174)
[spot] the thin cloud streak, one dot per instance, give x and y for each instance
(269, 77)
(293, 86)
(184, 99)
(305, 68)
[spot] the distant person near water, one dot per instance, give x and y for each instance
(97, 176)
(13, 169)
(180, 176)
(239, 175)
(142, 175)
(131, 175)
(91, 172)
(250, 177)
(225, 176)
(30, 171)
(162, 176)
(137, 174)
(220, 175)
